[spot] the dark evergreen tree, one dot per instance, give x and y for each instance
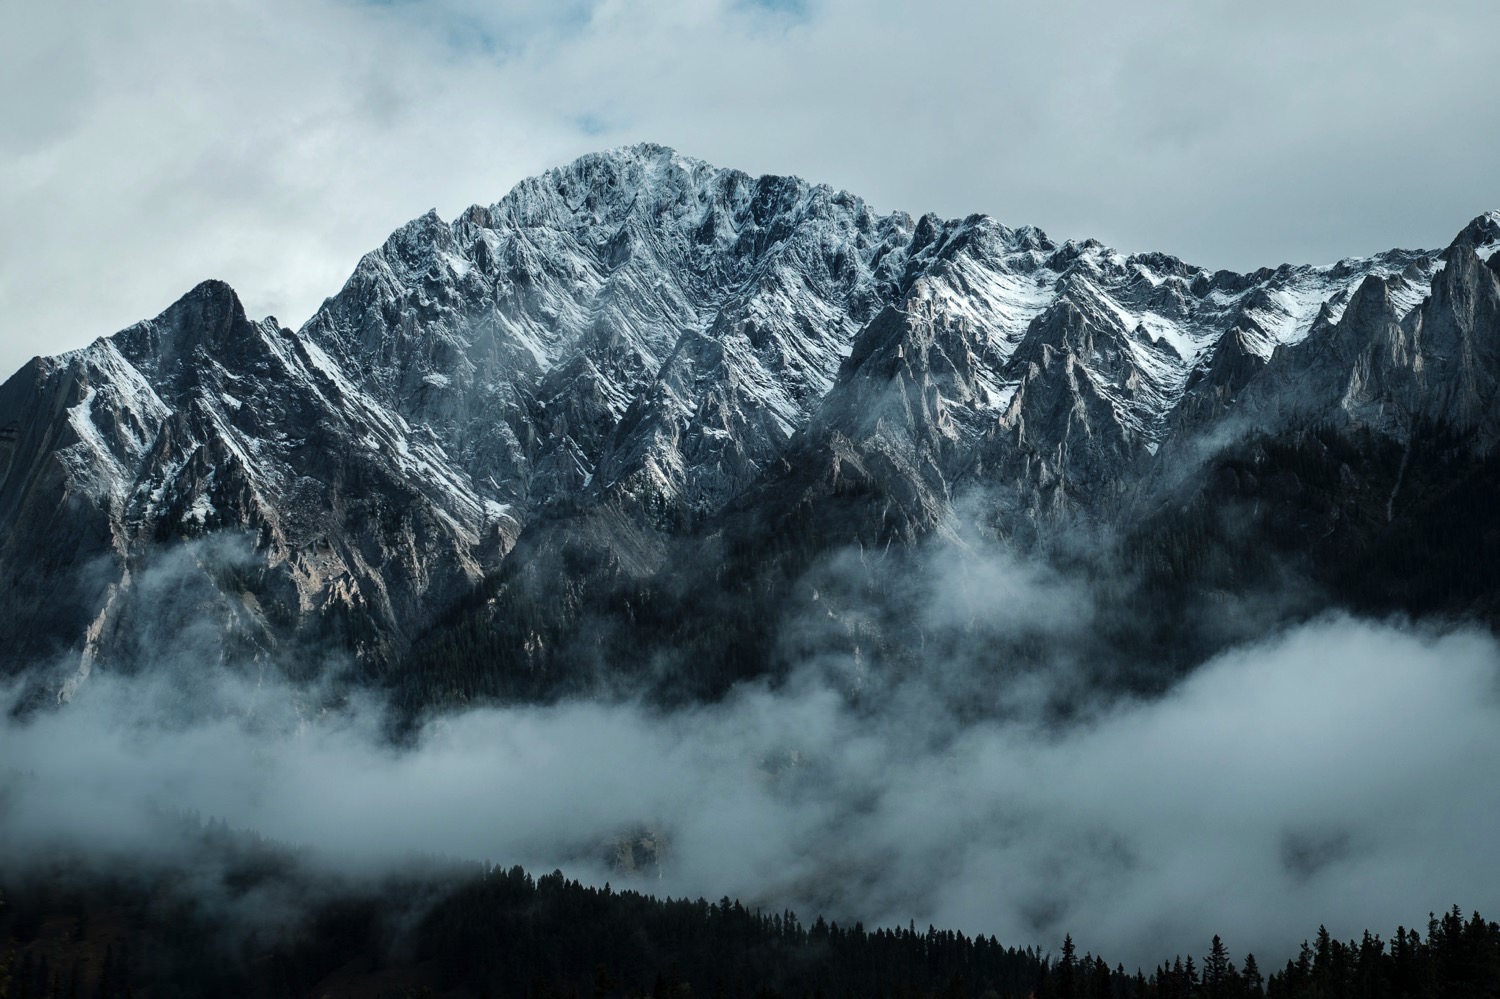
(1065, 981)
(1252, 984)
(1101, 981)
(1218, 971)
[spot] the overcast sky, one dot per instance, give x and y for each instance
(146, 146)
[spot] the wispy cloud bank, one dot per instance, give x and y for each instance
(1330, 775)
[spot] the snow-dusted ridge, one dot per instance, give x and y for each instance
(643, 331)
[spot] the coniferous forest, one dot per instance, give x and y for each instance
(234, 914)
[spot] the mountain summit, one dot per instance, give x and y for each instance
(640, 384)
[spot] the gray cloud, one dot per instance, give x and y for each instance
(150, 145)
(1334, 774)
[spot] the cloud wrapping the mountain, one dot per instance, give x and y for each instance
(1332, 774)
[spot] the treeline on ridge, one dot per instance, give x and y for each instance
(215, 921)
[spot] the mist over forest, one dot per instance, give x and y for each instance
(1324, 774)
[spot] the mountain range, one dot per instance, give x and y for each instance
(646, 421)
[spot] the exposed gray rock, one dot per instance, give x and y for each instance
(640, 348)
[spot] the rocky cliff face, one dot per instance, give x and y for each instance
(239, 455)
(640, 359)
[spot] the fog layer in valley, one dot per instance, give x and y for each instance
(1338, 773)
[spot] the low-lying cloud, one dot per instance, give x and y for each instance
(1339, 773)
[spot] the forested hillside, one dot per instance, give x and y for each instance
(238, 915)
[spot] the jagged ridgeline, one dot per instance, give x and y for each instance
(628, 424)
